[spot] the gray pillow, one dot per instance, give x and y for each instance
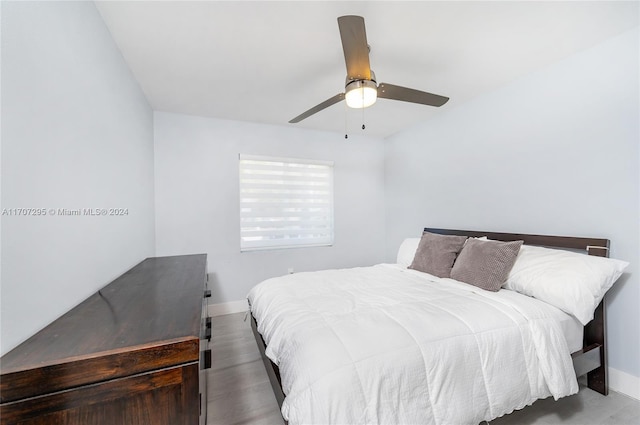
(485, 264)
(436, 253)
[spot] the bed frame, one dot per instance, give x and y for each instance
(590, 360)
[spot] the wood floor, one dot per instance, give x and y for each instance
(240, 392)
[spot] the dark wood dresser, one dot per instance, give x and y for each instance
(133, 353)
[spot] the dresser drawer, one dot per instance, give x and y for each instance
(163, 397)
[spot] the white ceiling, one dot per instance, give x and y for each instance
(267, 62)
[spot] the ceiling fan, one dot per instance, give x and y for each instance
(361, 88)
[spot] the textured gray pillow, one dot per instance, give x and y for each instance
(436, 253)
(485, 264)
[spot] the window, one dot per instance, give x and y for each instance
(285, 203)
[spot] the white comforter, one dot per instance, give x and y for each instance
(387, 345)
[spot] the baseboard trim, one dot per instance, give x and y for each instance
(231, 307)
(624, 383)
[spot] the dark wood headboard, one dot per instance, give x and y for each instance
(593, 246)
(594, 344)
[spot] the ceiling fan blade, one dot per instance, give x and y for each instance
(389, 91)
(354, 45)
(335, 99)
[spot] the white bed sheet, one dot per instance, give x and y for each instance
(371, 345)
(572, 330)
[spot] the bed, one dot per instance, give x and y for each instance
(388, 344)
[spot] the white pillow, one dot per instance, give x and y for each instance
(407, 251)
(573, 282)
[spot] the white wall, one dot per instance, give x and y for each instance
(555, 152)
(77, 133)
(197, 200)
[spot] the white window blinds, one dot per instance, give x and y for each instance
(285, 203)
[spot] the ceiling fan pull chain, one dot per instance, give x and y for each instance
(363, 110)
(346, 136)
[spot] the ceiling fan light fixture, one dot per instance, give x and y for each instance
(361, 93)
